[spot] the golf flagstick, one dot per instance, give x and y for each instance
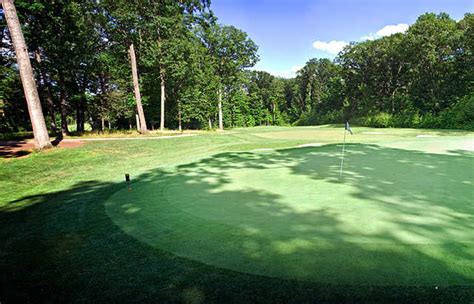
(347, 127)
(343, 148)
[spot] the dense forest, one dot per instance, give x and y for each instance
(116, 64)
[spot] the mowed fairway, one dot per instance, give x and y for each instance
(249, 215)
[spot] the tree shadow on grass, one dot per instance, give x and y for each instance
(75, 245)
(416, 205)
(11, 149)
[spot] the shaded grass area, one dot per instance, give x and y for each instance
(58, 242)
(66, 248)
(399, 218)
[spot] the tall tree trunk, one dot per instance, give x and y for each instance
(136, 89)
(63, 106)
(393, 100)
(102, 99)
(92, 122)
(40, 132)
(48, 91)
(82, 107)
(80, 115)
(219, 105)
(163, 99)
(180, 125)
(273, 113)
(210, 123)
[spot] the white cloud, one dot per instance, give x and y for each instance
(368, 37)
(331, 47)
(387, 31)
(392, 29)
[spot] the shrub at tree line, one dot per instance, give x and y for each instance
(423, 78)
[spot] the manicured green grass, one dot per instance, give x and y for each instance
(245, 215)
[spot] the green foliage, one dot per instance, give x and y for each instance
(379, 120)
(13, 115)
(314, 118)
(421, 78)
(408, 118)
(457, 116)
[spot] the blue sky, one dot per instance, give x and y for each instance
(289, 32)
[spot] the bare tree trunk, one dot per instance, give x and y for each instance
(210, 123)
(40, 132)
(138, 122)
(102, 123)
(163, 99)
(273, 112)
(78, 118)
(82, 107)
(102, 99)
(136, 89)
(63, 106)
(180, 126)
(393, 105)
(219, 105)
(49, 94)
(80, 115)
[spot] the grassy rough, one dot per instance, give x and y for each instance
(67, 236)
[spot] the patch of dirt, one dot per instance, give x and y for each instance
(22, 148)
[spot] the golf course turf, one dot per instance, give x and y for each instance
(250, 215)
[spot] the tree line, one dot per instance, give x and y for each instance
(116, 64)
(421, 78)
(102, 62)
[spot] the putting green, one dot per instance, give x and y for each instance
(402, 215)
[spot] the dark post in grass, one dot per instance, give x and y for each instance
(127, 179)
